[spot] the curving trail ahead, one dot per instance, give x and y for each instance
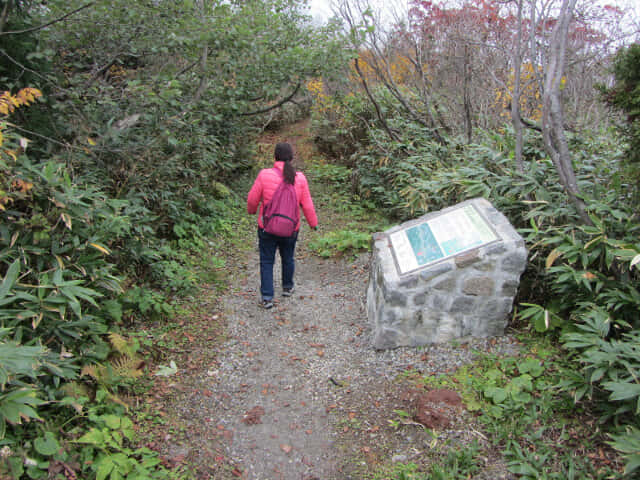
(297, 392)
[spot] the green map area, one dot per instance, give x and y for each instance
(424, 245)
(443, 236)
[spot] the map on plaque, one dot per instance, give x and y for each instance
(439, 238)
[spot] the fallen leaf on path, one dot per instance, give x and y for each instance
(286, 448)
(253, 416)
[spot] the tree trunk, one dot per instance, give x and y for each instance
(515, 97)
(468, 124)
(555, 140)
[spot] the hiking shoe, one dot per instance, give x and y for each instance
(267, 304)
(287, 292)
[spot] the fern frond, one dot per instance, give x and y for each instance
(127, 366)
(120, 344)
(90, 371)
(116, 399)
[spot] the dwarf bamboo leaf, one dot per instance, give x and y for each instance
(9, 279)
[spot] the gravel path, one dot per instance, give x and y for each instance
(299, 394)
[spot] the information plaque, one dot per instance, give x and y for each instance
(439, 238)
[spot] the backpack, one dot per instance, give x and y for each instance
(282, 214)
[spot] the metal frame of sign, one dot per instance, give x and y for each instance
(444, 256)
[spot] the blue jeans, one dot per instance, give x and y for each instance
(268, 245)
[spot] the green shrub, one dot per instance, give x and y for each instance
(625, 96)
(341, 242)
(60, 290)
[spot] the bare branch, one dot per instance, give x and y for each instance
(390, 132)
(106, 67)
(277, 105)
(187, 68)
(40, 27)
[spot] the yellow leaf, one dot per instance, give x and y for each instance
(60, 262)
(36, 321)
(28, 95)
(104, 250)
(6, 106)
(91, 141)
(21, 185)
(555, 253)
(66, 219)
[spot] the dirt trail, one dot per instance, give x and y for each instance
(288, 362)
(297, 392)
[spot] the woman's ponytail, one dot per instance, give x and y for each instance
(289, 173)
(284, 153)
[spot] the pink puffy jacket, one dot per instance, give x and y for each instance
(265, 186)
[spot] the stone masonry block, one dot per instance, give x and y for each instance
(420, 299)
(447, 285)
(435, 271)
(463, 305)
(469, 294)
(466, 259)
(478, 286)
(515, 262)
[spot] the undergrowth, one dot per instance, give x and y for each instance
(523, 412)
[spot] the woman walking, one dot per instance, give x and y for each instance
(261, 193)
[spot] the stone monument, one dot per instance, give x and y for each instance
(446, 275)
